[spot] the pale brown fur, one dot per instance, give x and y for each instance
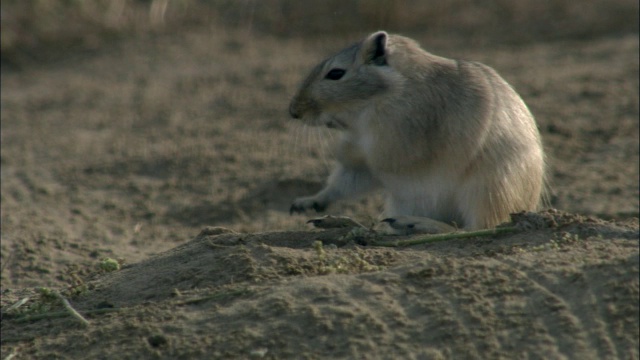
(446, 139)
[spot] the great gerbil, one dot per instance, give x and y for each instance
(448, 140)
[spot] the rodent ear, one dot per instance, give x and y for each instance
(374, 49)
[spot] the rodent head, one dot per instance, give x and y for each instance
(343, 83)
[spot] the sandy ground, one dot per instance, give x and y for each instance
(132, 152)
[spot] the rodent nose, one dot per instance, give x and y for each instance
(292, 111)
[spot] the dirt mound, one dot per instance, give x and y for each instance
(567, 286)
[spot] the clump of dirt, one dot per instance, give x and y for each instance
(579, 225)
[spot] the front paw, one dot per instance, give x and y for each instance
(300, 205)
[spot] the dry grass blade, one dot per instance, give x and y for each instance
(60, 314)
(426, 239)
(70, 309)
(15, 306)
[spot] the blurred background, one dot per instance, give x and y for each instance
(42, 29)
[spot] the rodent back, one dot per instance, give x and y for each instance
(425, 105)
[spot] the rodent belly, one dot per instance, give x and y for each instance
(432, 197)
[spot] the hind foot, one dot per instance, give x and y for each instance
(334, 222)
(406, 225)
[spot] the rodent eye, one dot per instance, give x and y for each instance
(335, 74)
